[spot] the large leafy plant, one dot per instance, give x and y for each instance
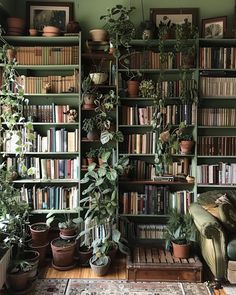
(118, 24)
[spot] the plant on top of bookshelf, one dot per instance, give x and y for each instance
(184, 32)
(119, 26)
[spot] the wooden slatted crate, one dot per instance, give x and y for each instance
(156, 264)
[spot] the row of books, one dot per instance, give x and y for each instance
(155, 200)
(176, 113)
(134, 115)
(217, 57)
(56, 140)
(221, 173)
(49, 84)
(141, 169)
(217, 117)
(139, 143)
(154, 60)
(49, 168)
(216, 145)
(148, 231)
(50, 197)
(47, 113)
(47, 55)
(218, 86)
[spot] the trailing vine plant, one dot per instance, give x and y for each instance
(12, 100)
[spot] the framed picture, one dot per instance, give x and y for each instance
(214, 27)
(174, 15)
(40, 14)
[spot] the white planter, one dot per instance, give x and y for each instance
(3, 267)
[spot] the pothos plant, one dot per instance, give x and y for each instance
(105, 103)
(12, 101)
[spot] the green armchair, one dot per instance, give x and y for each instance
(214, 215)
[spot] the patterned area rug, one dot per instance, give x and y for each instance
(115, 287)
(50, 287)
(230, 289)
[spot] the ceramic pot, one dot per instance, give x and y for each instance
(98, 35)
(32, 257)
(42, 250)
(93, 135)
(133, 88)
(18, 282)
(100, 270)
(88, 100)
(84, 255)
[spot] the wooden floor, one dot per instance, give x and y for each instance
(117, 271)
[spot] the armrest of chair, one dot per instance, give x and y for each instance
(207, 225)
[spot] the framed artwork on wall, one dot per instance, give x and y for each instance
(214, 27)
(40, 14)
(174, 15)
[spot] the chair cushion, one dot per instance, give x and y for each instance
(219, 204)
(231, 248)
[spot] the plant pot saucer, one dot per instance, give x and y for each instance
(22, 292)
(63, 267)
(67, 237)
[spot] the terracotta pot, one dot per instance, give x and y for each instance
(133, 88)
(181, 251)
(63, 252)
(18, 281)
(84, 255)
(11, 54)
(186, 146)
(39, 233)
(32, 257)
(88, 100)
(42, 250)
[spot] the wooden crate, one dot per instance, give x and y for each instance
(156, 264)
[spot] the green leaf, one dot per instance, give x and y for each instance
(99, 181)
(112, 175)
(92, 166)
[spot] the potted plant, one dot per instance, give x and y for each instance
(180, 231)
(119, 26)
(90, 126)
(101, 200)
(91, 156)
(186, 143)
(184, 46)
(89, 93)
(67, 225)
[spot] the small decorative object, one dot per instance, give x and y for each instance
(46, 88)
(33, 32)
(190, 179)
(148, 30)
(51, 31)
(15, 26)
(73, 27)
(72, 115)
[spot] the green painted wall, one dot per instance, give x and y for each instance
(87, 12)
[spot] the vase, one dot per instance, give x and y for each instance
(73, 27)
(133, 88)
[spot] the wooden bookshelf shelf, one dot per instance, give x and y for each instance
(154, 182)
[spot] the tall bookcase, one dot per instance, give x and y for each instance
(145, 198)
(50, 72)
(216, 160)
